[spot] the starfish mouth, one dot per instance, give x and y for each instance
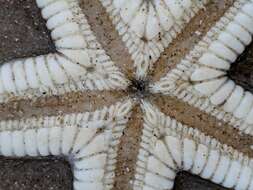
(138, 88)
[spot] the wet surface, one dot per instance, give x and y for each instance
(241, 70)
(187, 181)
(35, 174)
(23, 32)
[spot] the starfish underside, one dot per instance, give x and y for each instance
(134, 119)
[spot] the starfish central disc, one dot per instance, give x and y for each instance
(71, 102)
(138, 88)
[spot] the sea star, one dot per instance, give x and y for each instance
(110, 138)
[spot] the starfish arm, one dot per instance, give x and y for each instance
(80, 63)
(168, 147)
(201, 77)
